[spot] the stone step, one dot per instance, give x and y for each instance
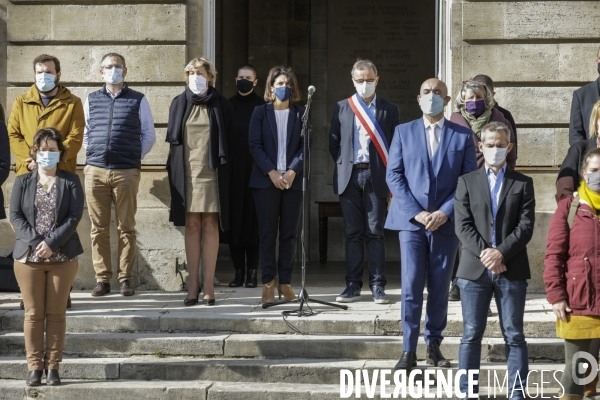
(267, 346)
(292, 371)
(199, 390)
(146, 314)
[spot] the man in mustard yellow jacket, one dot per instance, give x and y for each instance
(46, 105)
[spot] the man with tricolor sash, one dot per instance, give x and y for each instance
(362, 127)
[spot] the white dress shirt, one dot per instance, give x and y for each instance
(433, 132)
(148, 134)
(281, 118)
(362, 138)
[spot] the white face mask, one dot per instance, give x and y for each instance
(494, 156)
(365, 89)
(113, 76)
(198, 84)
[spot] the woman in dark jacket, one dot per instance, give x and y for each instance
(572, 264)
(200, 125)
(278, 150)
(243, 237)
(4, 164)
(474, 109)
(45, 208)
(568, 176)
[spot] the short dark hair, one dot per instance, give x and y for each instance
(42, 58)
(495, 126)
(45, 134)
(487, 81)
(274, 73)
(249, 67)
(588, 156)
(113, 55)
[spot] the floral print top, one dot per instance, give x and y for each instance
(45, 211)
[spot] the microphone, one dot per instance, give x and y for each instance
(311, 90)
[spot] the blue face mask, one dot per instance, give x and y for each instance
(45, 82)
(47, 159)
(113, 76)
(283, 93)
(431, 104)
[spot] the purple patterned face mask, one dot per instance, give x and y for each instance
(475, 108)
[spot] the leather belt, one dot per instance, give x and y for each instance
(361, 166)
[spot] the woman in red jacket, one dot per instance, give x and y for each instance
(474, 109)
(572, 274)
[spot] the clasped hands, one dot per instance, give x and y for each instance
(433, 220)
(42, 250)
(282, 181)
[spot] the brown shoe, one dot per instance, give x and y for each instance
(268, 295)
(101, 289)
(126, 289)
(286, 291)
(590, 388)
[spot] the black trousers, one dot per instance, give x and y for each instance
(244, 256)
(278, 211)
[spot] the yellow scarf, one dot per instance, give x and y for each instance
(589, 196)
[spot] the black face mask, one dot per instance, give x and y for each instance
(244, 85)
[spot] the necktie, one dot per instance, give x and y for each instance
(433, 139)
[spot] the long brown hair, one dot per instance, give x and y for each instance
(274, 73)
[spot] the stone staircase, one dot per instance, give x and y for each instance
(152, 347)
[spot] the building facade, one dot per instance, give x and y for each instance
(537, 52)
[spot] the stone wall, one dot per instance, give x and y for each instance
(537, 53)
(157, 39)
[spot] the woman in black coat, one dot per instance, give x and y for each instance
(243, 237)
(277, 146)
(200, 125)
(4, 164)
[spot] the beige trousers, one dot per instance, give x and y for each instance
(45, 288)
(103, 187)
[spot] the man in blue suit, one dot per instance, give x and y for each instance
(426, 158)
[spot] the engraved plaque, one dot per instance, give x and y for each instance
(398, 36)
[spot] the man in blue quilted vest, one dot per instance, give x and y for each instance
(119, 132)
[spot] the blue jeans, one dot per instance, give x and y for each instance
(475, 297)
(364, 216)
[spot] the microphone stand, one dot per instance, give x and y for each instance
(303, 297)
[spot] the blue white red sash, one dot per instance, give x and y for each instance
(368, 121)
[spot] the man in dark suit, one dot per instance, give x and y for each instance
(494, 210)
(427, 156)
(584, 99)
(362, 127)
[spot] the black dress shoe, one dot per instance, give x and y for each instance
(239, 278)
(454, 294)
(192, 302)
(208, 302)
(435, 356)
(34, 378)
(407, 362)
(52, 378)
(251, 278)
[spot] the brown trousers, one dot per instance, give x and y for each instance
(45, 288)
(102, 188)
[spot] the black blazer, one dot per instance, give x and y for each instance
(515, 219)
(341, 144)
(584, 99)
(69, 209)
(262, 138)
(4, 164)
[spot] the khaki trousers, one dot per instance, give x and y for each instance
(45, 288)
(104, 187)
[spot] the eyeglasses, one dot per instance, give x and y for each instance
(117, 66)
(361, 81)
